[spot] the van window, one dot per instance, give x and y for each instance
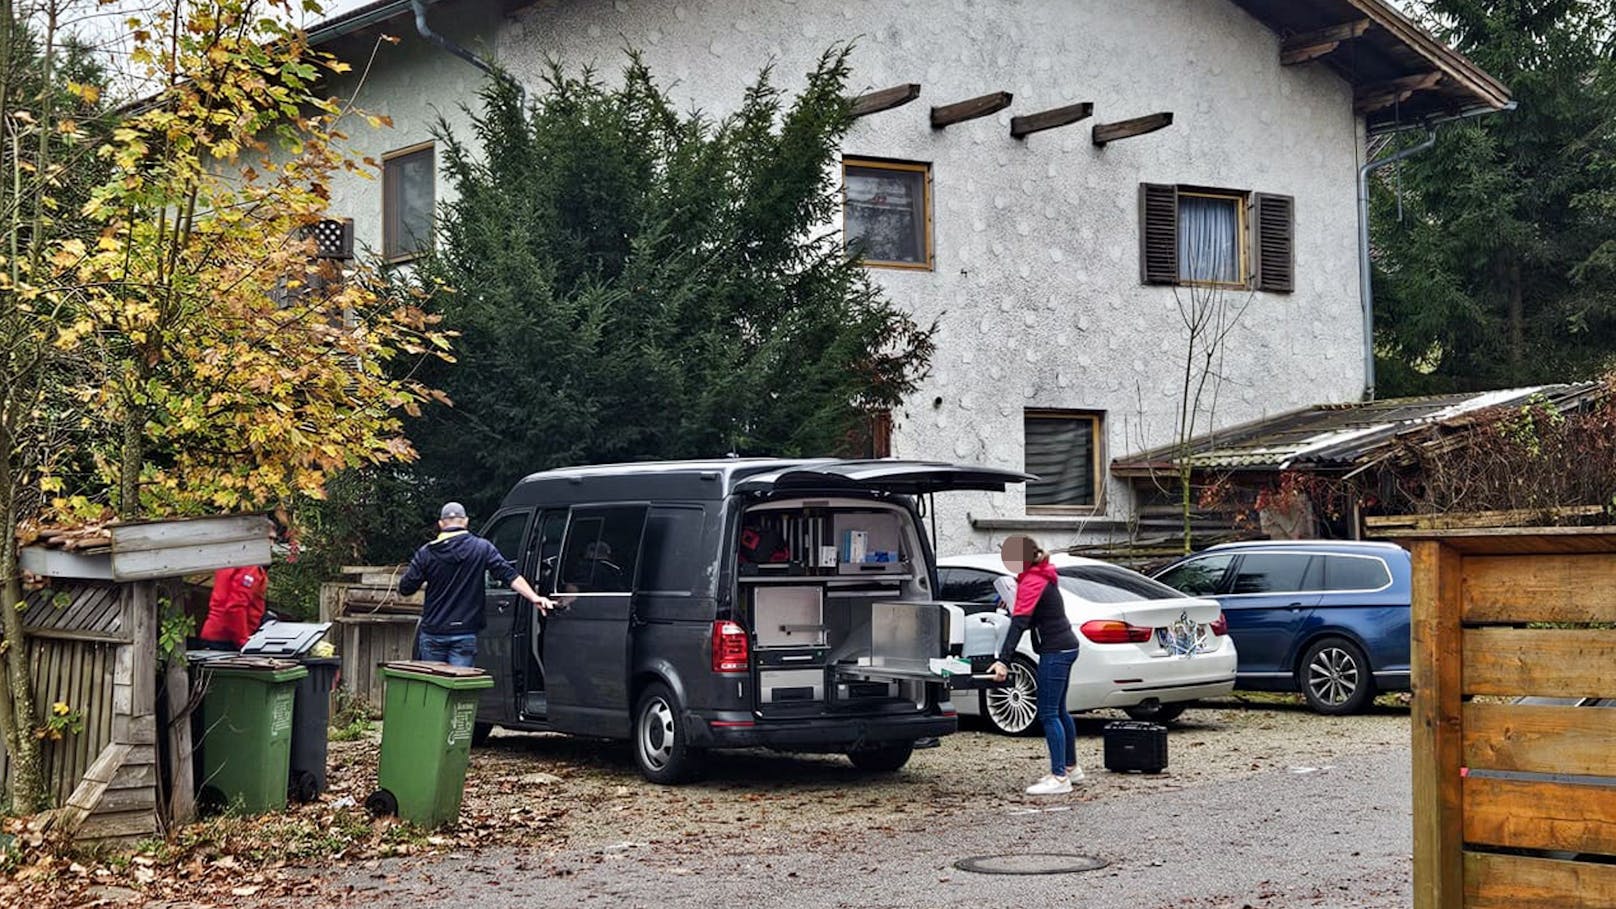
(552, 527)
(506, 535)
(601, 549)
(1197, 577)
(1350, 573)
(672, 553)
(1271, 572)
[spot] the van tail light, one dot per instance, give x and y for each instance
(1220, 625)
(731, 652)
(1113, 631)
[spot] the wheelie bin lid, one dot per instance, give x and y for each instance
(264, 668)
(441, 674)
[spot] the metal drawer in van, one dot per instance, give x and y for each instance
(793, 658)
(782, 686)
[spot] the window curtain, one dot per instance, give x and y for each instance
(1208, 240)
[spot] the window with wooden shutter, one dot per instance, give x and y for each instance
(1063, 451)
(1158, 233)
(1275, 218)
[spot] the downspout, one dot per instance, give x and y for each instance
(1366, 288)
(426, 32)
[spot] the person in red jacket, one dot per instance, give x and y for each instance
(1040, 608)
(235, 608)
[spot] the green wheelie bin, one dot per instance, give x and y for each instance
(244, 750)
(427, 717)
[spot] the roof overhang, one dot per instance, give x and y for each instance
(1401, 75)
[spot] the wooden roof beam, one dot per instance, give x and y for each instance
(1319, 42)
(1106, 133)
(1022, 127)
(1370, 98)
(950, 114)
(885, 99)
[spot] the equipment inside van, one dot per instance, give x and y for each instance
(726, 604)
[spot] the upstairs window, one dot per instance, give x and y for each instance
(886, 212)
(409, 200)
(1063, 451)
(1199, 237)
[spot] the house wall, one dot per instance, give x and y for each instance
(1036, 288)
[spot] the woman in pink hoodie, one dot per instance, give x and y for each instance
(1040, 607)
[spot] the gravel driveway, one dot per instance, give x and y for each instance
(1263, 805)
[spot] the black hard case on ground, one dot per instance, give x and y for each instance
(1132, 747)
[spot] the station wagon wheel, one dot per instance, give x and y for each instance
(1335, 678)
(1013, 708)
(660, 746)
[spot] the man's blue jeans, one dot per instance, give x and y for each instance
(1054, 672)
(454, 649)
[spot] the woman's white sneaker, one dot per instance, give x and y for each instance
(1050, 785)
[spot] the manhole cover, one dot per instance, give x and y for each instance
(1030, 863)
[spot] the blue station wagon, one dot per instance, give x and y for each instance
(1327, 618)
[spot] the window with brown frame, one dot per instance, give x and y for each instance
(409, 200)
(886, 212)
(1063, 451)
(1199, 237)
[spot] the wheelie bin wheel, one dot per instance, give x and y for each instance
(305, 787)
(381, 803)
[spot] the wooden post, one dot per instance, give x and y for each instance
(885, 99)
(1438, 733)
(1105, 133)
(949, 114)
(1022, 127)
(182, 791)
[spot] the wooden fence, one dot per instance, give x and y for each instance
(374, 625)
(1514, 803)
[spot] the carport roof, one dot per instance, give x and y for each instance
(1342, 436)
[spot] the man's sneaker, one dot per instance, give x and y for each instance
(1050, 785)
(1074, 774)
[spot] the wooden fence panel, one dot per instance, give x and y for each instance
(79, 674)
(1573, 740)
(1547, 588)
(1436, 722)
(1540, 814)
(1528, 882)
(1545, 662)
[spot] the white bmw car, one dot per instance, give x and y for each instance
(1144, 647)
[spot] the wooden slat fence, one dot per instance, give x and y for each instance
(373, 625)
(1514, 802)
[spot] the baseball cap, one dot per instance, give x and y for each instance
(452, 510)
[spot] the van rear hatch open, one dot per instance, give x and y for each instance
(894, 477)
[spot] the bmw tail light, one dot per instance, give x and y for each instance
(731, 652)
(1113, 631)
(1220, 625)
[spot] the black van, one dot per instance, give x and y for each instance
(725, 604)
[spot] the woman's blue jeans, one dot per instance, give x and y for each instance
(1054, 672)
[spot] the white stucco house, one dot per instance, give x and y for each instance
(1055, 259)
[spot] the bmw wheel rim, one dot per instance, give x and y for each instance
(1014, 707)
(657, 734)
(1333, 676)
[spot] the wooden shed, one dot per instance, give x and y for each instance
(93, 644)
(374, 625)
(1514, 800)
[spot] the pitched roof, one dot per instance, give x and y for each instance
(1342, 436)
(1401, 73)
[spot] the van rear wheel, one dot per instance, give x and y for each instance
(661, 748)
(883, 759)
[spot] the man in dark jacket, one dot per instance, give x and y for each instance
(452, 567)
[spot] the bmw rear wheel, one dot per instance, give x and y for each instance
(1335, 678)
(1013, 708)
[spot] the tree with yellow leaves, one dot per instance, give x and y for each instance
(183, 338)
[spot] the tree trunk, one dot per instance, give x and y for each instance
(18, 715)
(131, 456)
(1517, 320)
